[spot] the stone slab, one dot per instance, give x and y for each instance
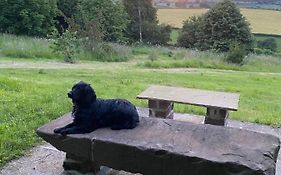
(78, 144)
(168, 147)
(223, 100)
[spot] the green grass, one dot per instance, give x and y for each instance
(32, 97)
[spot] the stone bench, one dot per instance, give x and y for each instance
(167, 147)
(161, 101)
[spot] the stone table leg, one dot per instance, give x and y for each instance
(216, 116)
(73, 162)
(161, 109)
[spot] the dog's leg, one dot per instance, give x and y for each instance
(58, 130)
(75, 130)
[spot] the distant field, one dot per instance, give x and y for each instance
(262, 21)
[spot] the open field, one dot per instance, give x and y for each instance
(262, 21)
(33, 95)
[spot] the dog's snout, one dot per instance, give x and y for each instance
(69, 94)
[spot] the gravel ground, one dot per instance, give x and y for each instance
(46, 160)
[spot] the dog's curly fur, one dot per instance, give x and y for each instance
(90, 113)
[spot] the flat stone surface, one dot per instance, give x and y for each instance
(46, 160)
(197, 97)
(159, 146)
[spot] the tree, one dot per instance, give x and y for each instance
(68, 8)
(188, 37)
(27, 17)
(219, 28)
(110, 14)
(143, 24)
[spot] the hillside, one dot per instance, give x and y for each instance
(257, 4)
(202, 1)
(262, 21)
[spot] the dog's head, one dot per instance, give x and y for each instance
(82, 93)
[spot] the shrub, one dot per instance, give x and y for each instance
(156, 34)
(260, 51)
(66, 44)
(153, 55)
(236, 53)
(179, 55)
(269, 44)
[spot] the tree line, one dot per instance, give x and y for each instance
(118, 21)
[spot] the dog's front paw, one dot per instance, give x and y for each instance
(64, 132)
(58, 130)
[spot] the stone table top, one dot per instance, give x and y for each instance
(223, 100)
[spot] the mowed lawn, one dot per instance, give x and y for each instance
(32, 97)
(262, 21)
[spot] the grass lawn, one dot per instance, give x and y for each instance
(262, 21)
(32, 97)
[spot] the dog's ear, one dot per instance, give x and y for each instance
(90, 94)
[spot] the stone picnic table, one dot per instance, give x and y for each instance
(161, 101)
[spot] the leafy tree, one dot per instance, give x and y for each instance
(218, 28)
(110, 14)
(68, 8)
(27, 17)
(224, 24)
(189, 35)
(143, 24)
(148, 12)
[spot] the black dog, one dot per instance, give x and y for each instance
(90, 113)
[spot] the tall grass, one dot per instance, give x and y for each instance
(109, 52)
(28, 47)
(188, 58)
(25, 47)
